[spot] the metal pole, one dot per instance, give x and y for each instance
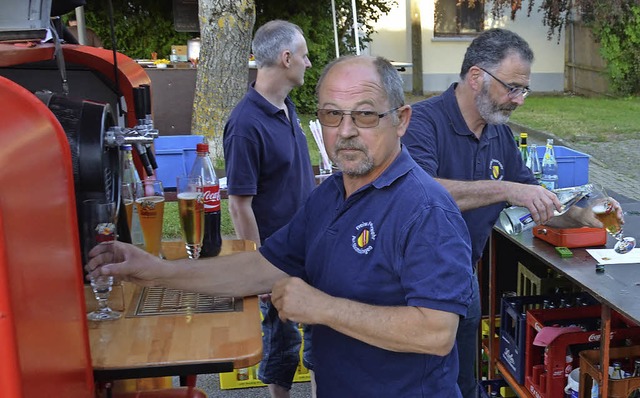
(82, 32)
(335, 28)
(355, 26)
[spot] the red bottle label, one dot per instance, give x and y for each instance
(211, 195)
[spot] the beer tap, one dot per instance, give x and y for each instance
(151, 131)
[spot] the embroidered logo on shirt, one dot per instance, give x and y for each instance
(497, 170)
(363, 239)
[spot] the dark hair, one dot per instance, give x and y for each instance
(490, 48)
(389, 78)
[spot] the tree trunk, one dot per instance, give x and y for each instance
(226, 27)
(416, 48)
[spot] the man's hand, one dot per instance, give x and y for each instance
(540, 201)
(124, 261)
(297, 301)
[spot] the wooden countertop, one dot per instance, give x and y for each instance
(175, 345)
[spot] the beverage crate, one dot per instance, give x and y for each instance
(485, 387)
(573, 166)
(513, 327)
(590, 366)
(248, 377)
(546, 372)
(535, 280)
(175, 155)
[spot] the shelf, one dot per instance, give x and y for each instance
(515, 386)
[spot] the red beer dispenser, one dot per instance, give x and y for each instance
(44, 341)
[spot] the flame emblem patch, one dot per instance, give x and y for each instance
(497, 169)
(362, 241)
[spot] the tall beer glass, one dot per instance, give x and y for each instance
(191, 208)
(150, 204)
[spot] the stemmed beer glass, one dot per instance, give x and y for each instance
(100, 229)
(191, 209)
(602, 206)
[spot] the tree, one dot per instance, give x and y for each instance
(615, 24)
(226, 28)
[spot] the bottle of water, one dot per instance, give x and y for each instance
(533, 163)
(516, 219)
(549, 178)
(129, 175)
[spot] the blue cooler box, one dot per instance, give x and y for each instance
(573, 166)
(175, 155)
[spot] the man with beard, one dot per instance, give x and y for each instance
(360, 261)
(460, 138)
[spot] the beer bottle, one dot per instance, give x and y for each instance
(636, 373)
(524, 150)
(617, 371)
(549, 178)
(202, 166)
(129, 175)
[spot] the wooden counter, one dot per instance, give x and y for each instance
(176, 345)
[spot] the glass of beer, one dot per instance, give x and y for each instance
(99, 219)
(603, 208)
(149, 196)
(191, 209)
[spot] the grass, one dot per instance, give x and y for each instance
(569, 117)
(578, 119)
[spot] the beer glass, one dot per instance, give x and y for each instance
(99, 218)
(149, 196)
(602, 206)
(191, 209)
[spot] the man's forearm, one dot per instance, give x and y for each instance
(474, 194)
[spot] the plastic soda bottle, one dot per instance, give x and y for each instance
(202, 166)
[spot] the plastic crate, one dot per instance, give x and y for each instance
(248, 377)
(485, 387)
(535, 280)
(175, 155)
(590, 365)
(513, 328)
(573, 166)
(547, 380)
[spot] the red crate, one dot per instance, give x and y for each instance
(548, 381)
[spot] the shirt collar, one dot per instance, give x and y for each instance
(262, 103)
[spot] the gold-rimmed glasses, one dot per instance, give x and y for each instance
(512, 91)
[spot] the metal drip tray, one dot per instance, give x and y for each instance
(164, 301)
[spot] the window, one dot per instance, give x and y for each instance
(458, 17)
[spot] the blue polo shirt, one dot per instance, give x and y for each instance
(398, 241)
(266, 156)
(441, 143)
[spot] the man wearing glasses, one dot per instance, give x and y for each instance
(460, 138)
(378, 260)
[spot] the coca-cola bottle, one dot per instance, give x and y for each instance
(203, 166)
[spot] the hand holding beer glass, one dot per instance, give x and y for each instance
(99, 219)
(605, 211)
(191, 208)
(149, 196)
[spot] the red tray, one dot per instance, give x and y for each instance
(571, 237)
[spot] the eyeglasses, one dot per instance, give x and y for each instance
(512, 92)
(362, 119)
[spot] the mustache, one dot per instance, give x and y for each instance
(349, 144)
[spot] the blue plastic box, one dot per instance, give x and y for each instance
(573, 166)
(175, 155)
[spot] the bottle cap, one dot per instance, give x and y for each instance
(523, 135)
(202, 147)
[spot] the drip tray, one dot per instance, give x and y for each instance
(152, 301)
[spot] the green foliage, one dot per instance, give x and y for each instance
(141, 27)
(620, 47)
(315, 19)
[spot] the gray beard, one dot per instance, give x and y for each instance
(491, 112)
